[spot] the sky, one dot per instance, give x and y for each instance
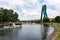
(31, 9)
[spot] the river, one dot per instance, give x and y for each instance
(27, 32)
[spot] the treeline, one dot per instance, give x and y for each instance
(8, 15)
(45, 20)
(56, 19)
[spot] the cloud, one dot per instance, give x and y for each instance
(52, 13)
(53, 7)
(31, 9)
(55, 3)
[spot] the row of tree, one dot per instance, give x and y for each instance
(8, 15)
(56, 19)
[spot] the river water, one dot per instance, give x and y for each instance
(27, 32)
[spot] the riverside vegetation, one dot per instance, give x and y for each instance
(56, 23)
(8, 15)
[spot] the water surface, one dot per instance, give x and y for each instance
(27, 32)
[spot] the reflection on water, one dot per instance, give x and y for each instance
(45, 30)
(1, 32)
(27, 32)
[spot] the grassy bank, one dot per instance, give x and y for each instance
(56, 34)
(57, 25)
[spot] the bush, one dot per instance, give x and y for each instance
(57, 19)
(46, 19)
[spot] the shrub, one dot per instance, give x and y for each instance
(57, 19)
(46, 19)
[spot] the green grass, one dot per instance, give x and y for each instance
(57, 25)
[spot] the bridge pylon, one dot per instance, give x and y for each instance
(43, 12)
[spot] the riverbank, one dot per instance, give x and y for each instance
(57, 26)
(56, 33)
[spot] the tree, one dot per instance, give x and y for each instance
(46, 19)
(8, 15)
(57, 19)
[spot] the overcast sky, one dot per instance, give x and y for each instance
(31, 9)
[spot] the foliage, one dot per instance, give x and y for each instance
(8, 15)
(46, 19)
(57, 19)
